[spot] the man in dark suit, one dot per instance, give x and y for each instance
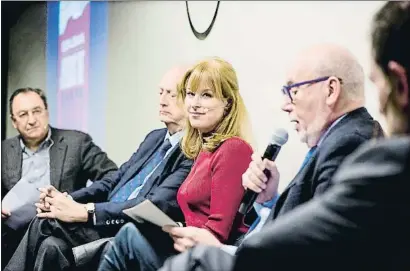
(41, 155)
(362, 221)
(155, 172)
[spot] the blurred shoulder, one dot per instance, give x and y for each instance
(157, 133)
(9, 141)
(378, 157)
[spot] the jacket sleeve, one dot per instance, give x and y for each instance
(101, 188)
(164, 197)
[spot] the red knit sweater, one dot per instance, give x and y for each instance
(211, 194)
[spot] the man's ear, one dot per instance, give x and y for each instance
(334, 89)
(400, 84)
(13, 121)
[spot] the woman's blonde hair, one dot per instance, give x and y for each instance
(220, 76)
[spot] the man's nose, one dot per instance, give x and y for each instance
(31, 119)
(163, 101)
(287, 105)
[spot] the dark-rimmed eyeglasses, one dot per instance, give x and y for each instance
(286, 90)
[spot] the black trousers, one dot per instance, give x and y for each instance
(10, 239)
(48, 243)
(13, 229)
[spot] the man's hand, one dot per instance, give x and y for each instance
(187, 237)
(48, 191)
(63, 208)
(5, 213)
(255, 180)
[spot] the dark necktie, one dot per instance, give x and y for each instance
(124, 192)
(307, 157)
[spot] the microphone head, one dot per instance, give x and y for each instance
(280, 137)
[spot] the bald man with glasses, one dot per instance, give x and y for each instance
(324, 98)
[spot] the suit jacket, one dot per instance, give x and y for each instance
(160, 188)
(360, 223)
(74, 159)
(342, 140)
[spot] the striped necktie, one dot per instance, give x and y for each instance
(125, 191)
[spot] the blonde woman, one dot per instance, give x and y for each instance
(210, 196)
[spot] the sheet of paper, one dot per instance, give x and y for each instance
(21, 194)
(146, 210)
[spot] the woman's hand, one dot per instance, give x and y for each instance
(187, 237)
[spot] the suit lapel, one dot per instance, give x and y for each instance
(138, 164)
(15, 163)
(299, 176)
(57, 157)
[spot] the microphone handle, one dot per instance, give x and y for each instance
(271, 153)
(249, 198)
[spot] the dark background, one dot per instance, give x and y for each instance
(10, 14)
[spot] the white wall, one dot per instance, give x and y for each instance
(258, 38)
(27, 58)
(146, 38)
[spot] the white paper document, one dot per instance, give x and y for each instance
(21, 194)
(146, 210)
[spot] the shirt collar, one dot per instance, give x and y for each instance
(175, 138)
(46, 142)
(328, 129)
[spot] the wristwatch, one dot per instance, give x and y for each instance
(90, 207)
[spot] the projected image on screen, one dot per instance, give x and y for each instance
(77, 35)
(73, 58)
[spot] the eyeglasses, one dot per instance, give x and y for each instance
(286, 90)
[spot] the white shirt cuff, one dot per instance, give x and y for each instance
(229, 249)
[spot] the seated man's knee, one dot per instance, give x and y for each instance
(128, 228)
(52, 247)
(128, 234)
(130, 241)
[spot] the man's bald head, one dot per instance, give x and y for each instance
(324, 83)
(173, 76)
(333, 60)
(170, 111)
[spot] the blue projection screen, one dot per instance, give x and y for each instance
(77, 37)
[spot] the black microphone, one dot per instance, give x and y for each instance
(279, 138)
